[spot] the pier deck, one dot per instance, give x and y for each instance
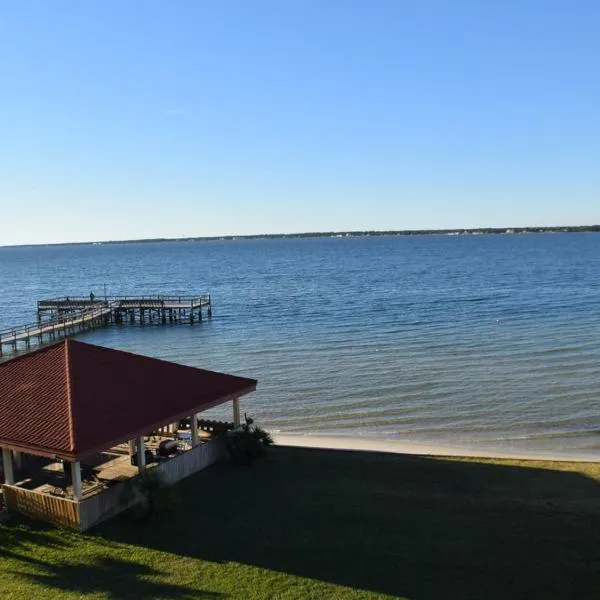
(67, 316)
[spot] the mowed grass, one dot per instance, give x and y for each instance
(307, 523)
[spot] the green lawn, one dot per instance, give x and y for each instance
(333, 524)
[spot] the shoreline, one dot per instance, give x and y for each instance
(535, 229)
(333, 442)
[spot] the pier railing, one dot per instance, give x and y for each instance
(57, 324)
(7, 334)
(86, 300)
(68, 315)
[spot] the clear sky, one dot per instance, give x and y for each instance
(130, 119)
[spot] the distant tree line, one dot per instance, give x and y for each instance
(374, 233)
(391, 232)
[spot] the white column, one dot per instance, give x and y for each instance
(9, 477)
(141, 456)
(76, 480)
(236, 412)
(194, 428)
(131, 447)
(17, 459)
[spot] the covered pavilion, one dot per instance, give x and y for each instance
(71, 400)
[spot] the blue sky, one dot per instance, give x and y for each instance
(123, 120)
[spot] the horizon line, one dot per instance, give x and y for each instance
(333, 233)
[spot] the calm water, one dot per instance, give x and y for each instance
(487, 341)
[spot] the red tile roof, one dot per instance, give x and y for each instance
(73, 399)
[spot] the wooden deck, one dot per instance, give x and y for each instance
(67, 316)
(40, 498)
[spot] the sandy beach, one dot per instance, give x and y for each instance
(398, 447)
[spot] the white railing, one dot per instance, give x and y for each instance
(108, 503)
(192, 461)
(102, 506)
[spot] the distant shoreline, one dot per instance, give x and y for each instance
(335, 234)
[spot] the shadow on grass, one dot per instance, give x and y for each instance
(17, 537)
(47, 555)
(116, 579)
(423, 528)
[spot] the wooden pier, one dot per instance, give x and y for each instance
(63, 317)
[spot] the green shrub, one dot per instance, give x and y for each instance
(246, 443)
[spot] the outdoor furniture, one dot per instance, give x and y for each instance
(168, 448)
(216, 427)
(149, 457)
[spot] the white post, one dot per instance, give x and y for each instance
(194, 421)
(9, 477)
(17, 459)
(76, 480)
(131, 447)
(236, 412)
(141, 456)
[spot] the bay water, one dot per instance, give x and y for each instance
(487, 342)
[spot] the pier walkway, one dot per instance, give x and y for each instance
(62, 317)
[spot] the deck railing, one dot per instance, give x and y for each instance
(44, 507)
(192, 461)
(108, 502)
(103, 505)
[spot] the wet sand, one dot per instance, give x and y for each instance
(373, 445)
